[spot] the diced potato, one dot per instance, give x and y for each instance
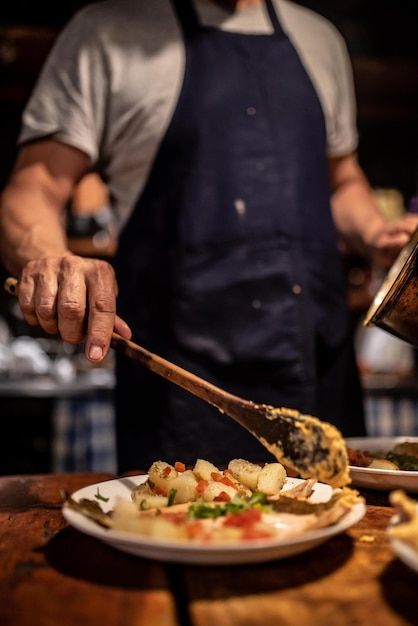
(245, 472)
(214, 489)
(383, 464)
(271, 478)
(162, 474)
(185, 485)
(204, 469)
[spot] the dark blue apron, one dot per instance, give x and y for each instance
(229, 265)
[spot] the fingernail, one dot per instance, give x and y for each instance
(95, 353)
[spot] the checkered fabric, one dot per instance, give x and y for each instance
(83, 435)
(391, 417)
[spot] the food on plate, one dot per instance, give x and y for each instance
(406, 527)
(205, 482)
(409, 448)
(168, 484)
(403, 456)
(243, 502)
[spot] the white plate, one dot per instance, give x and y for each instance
(384, 480)
(403, 550)
(203, 554)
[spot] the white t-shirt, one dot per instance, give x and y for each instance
(110, 85)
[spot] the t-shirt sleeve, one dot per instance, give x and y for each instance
(64, 103)
(343, 131)
(324, 54)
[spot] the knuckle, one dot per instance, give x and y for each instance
(46, 309)
(27, 309)
(105, 304)
(71, 310)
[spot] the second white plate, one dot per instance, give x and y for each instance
(384, 480)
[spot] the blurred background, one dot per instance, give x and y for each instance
(49, 394)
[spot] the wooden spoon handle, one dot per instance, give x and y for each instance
(11, 285)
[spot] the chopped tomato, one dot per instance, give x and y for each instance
(218, 478)
(230, 483)
(245, 518)
(256, 533)
(166, 471)
(359, 458)
(179, 466)
(159, 491)
(175, 518)
(201, 486)
(222, 497)
(195, 529)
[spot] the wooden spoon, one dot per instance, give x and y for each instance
(311, 447)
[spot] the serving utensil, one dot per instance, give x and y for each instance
(311, 447)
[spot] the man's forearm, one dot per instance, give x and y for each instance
(357, 215)
(365, 229)
(30, 228)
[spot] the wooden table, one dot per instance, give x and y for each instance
(53, 575)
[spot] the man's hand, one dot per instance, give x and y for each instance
(391, 238)
(74, 297)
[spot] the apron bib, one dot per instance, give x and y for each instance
(228, 265)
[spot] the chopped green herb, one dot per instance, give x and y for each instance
(100, 497)
(171, 497)
(236, 505)
(403, 461)
(202, 510)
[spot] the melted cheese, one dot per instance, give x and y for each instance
(333, 468)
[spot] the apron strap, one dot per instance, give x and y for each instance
(187, 15)
(274, 18)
